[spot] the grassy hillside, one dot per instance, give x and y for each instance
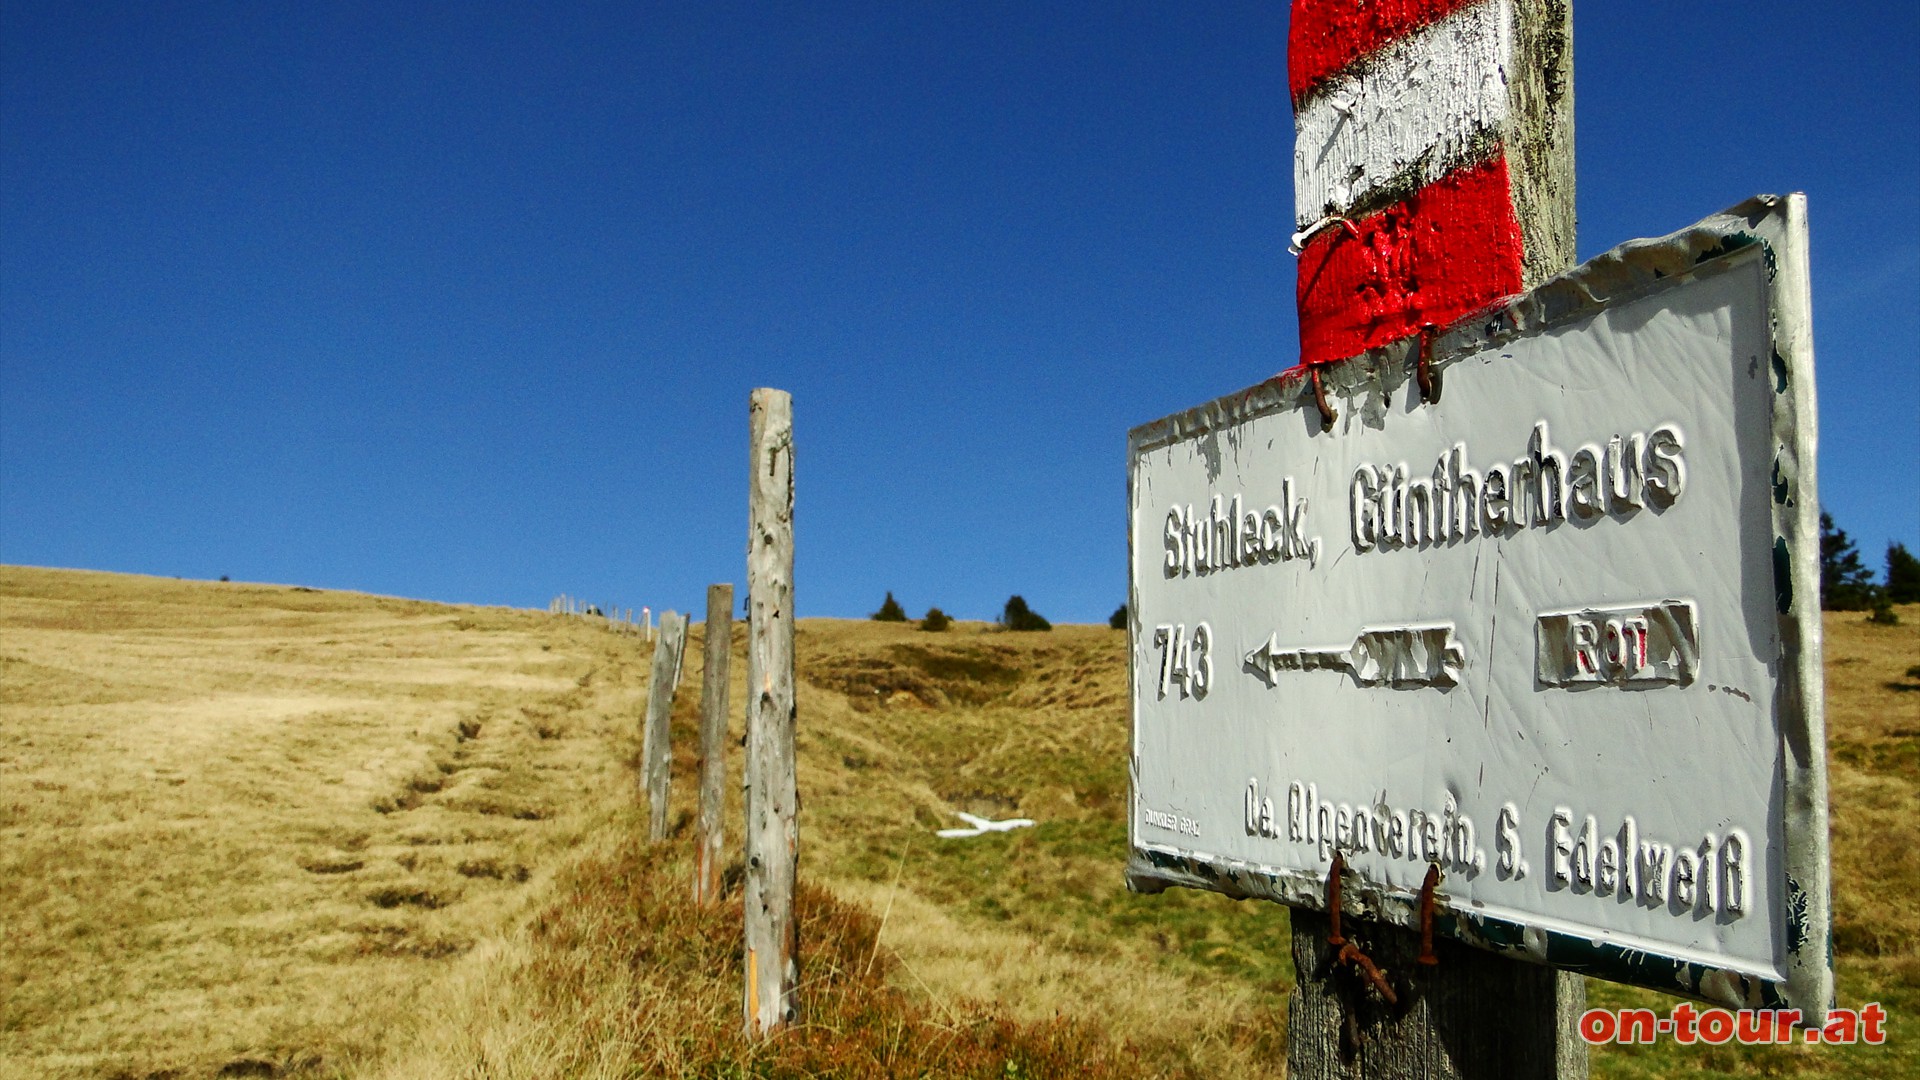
(243, 824)
(265, 831)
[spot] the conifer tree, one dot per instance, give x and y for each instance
(1845, 582)
(1903, 574)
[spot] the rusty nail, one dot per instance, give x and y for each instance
(1333, 899)
(1426, 915)
(1422, 369)
(1320, 398)
(1350, 953)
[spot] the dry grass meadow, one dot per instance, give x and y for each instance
(265, 831)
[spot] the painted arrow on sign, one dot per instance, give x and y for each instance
(1401, 657)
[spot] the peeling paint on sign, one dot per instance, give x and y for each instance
(1556, 632)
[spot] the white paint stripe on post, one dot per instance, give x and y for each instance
(1418, 106)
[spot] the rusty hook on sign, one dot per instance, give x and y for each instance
(1335, 937)
(1327, 414)
(1423, 367)
(1426, 915)
(1351, 954)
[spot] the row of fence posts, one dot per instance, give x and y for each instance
(618, 619)
(772, 834)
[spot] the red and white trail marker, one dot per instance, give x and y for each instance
(1528, 669)
(1432, 163)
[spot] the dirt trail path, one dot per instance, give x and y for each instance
(241, 825)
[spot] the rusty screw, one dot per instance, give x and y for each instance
(1422, 369)
(1327, 415)
(1339, 866)
(1426, 915)
(1351, 954)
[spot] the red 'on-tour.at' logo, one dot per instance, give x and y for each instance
(1687, 1025)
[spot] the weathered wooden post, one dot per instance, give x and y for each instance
(713, 744)
(1433, 175)
(657, 760)
(680, 657)
(1420, 630)
(772, 831)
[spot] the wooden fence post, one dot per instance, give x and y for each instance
(1417, 208)
(772, 832)
(713, 744)
(657, 766)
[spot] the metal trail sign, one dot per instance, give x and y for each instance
(1534, 601)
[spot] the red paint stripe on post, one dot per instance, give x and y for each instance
(1325, 36)
(1445, 252)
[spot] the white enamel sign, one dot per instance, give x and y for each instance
(1555, 631)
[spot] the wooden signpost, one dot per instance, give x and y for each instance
(657, 750)
(1433, 175)
(1488, 640)
(772, 799)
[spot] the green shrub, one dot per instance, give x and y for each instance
(890, 610)
(936, 620)
(1118, 620)
(1018, 616)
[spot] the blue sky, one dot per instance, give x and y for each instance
(464, 301)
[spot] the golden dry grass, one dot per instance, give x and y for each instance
(904, 728)
(620, 976)
(242, 824)
(900, 729)
(258, 828)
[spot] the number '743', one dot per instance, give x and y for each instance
(1185, 658)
